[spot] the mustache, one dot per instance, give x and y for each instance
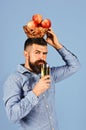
(42, 61)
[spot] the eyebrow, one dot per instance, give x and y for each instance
(40, 51)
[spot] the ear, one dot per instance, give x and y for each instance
(25, 53)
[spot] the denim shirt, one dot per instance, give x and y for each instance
(24, 107)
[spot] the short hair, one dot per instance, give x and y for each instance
(39, 41)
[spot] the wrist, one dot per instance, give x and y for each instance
(35, 92)
(58, 46)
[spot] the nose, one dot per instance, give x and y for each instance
(42, 57)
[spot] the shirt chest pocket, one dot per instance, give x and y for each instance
(28, 85)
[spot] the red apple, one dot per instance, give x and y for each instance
(46, 23)
(37, 18)
(31, 24)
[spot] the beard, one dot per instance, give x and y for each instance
(36, 66)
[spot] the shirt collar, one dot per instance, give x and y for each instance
(22, 69)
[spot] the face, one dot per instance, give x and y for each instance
(35, 56)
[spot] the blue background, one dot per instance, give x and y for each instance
(69, 23)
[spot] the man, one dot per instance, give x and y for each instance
(28, 98)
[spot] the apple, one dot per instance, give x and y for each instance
(46, 23)
(31, 24)
(37, 18)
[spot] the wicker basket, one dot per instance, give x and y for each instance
(37, 32)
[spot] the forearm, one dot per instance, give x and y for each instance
(17, 110)
(58, 46)
(69, 58)
(71, 65)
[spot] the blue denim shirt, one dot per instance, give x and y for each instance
(24, 107)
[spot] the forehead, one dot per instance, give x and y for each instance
(39, 48)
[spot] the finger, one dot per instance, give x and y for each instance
(50, 30)
(48, 81)
(46, 77)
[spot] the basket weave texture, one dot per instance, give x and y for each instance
(37, 32)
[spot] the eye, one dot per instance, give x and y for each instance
(45, 53)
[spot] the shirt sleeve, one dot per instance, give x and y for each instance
(71, 65)
(17, 107)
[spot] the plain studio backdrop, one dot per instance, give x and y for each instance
(69, 23)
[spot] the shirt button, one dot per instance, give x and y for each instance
(50, 117)
(46, 106)
(43, 95)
